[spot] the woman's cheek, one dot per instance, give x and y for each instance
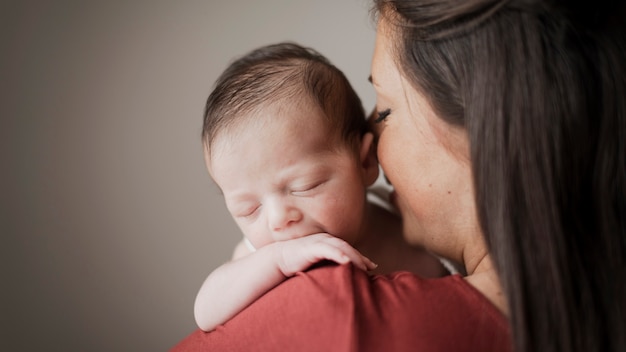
(401, 199)
(390, 156)
(411, 228)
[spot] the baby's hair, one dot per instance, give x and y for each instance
(283, 72)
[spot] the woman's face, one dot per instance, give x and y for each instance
(425, 159)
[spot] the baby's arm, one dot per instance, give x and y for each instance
(234, 285)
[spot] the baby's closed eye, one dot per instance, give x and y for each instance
(246, 211)
(306, 189)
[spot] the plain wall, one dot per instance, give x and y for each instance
(109, 221)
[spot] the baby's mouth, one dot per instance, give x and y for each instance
(299, 234)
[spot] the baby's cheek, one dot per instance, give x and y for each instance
(324, 211)
(348, 219)
(256, 234)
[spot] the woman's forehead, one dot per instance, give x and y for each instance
(395, 89)
(384, 71)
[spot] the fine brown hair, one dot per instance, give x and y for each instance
(284, 73)
(540, 87)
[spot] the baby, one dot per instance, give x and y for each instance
(285, 139)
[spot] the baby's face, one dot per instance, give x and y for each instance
(282, 180)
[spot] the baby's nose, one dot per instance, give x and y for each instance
(282, 216)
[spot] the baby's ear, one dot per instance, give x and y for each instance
(369, 162)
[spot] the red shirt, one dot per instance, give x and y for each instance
(342, 308)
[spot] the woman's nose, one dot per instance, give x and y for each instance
(281, 215)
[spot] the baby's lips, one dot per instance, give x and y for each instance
(292, 235)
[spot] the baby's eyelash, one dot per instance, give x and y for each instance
(249, 213)
(382, 115)
(308, 188)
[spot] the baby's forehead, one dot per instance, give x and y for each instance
(285, 114)
(279, 119)
(283, 132)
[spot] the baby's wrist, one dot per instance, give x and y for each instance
(276, 252)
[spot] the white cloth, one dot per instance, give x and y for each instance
(248, 244)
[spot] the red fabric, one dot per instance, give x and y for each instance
(341, 308)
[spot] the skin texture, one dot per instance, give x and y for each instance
(289, 187)
(427, 161)
(278, 193)
(298, 195)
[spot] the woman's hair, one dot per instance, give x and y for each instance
(540, 86)
(283, 73)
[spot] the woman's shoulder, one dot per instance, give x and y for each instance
(341, 308)
(445, 314)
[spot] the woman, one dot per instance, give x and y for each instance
(538, 91)
(501, 125)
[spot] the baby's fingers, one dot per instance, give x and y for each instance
(369, 263)
(350, 254)
(362, 262)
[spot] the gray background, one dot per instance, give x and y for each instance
(109, 221)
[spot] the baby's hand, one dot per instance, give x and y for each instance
(300, 253)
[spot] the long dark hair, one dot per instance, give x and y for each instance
(540, 87)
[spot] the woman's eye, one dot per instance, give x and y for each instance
(382, 115)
